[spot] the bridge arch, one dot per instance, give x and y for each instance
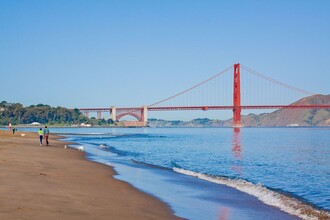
(138, 117)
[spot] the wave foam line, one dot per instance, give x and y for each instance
(285, 203)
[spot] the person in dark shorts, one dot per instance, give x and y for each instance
(41, 135)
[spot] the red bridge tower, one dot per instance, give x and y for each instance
(237, 97)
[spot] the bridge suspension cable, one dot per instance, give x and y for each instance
(191, 88)
(276, 81)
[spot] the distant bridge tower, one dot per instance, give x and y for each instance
(144, 115)
(237, 97)
(113, 113)
(86, 113)
(99, 115)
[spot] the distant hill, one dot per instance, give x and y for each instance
(281, 117)
(294, 117)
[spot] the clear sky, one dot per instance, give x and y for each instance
(86, 53)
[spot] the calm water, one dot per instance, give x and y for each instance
(264, 162)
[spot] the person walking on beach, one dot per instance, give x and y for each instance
(46, 133)
(41, 135)
(9, 126)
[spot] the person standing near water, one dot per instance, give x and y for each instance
(41, 135)
(9, 126)
(46, 133)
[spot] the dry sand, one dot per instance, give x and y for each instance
(50, 182)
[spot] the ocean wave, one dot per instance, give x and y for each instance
(120, 152)
(287, 204)
(136, 136)
(175, 164)
(150, 165)
(104, 146)
(86, 134)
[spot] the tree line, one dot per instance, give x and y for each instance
(16, 113)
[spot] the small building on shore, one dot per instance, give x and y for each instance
(35, 124)
(85, 125)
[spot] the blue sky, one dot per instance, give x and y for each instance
(79, 53)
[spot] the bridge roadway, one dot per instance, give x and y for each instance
(205, 108)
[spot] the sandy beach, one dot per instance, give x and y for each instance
(50, 182)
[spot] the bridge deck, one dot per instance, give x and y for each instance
(205, 108)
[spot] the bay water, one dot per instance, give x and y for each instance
(287, 168)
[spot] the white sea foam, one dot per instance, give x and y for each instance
(81, 148)
(103, 146)
(285, 203)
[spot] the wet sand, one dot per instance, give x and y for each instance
(50, 182)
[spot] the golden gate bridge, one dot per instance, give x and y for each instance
(223, 91)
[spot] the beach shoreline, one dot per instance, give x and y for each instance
(40, 182)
